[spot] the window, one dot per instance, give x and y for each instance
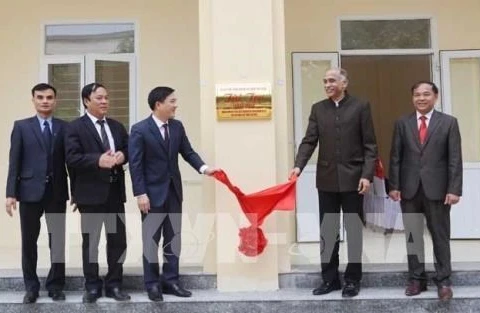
(89, 38)
(385, 34)
(80, 54)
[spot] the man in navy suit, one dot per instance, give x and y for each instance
(37, 178)
(96, 150)
(154, 146)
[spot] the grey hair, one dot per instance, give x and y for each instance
(340, 72)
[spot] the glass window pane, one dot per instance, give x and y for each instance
(312, 91)
(465, 99)
(386, 34)
(115, 75)
(89, 38)
(66, 80)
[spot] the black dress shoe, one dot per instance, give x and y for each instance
(155, 294)
(30, 297)
(91, 296)
(351, 289)
(117, 294)
(327, 287)
(56, 295)
(177, 290)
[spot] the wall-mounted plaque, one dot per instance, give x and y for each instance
(244, 101)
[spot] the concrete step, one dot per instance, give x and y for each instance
(299, 277)
(466, 299)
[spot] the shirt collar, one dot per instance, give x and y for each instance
(94, 119)
(41, 120)
(158, 121)
(428, 115)
(342, 100)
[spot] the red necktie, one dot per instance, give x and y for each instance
(422, 131)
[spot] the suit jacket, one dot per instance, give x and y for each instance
(152, 168)
(27, 169)
(346, 140)
(83, 146)
(437, 164)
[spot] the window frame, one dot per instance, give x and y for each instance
(132, 58)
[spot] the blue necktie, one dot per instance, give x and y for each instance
(47, 136)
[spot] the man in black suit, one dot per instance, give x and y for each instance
(96, 149)
(38, 179)
(426, 175)
(154, 146)
(342, 127)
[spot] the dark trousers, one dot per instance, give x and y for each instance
(164, 221)
(351, 203)
(30, 214)
(437, 215)
(93, 217)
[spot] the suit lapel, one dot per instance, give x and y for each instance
(93, 131)
(37, 131)
(55, 130)
(432, 125)
(413, 125)
(156, 133)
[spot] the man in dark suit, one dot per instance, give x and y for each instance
(96, 149)
(154, 146)
(342, 128)
(38, 179)
(426, 175)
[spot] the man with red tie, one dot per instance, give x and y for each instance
(426, 175)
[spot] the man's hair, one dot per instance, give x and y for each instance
(417, 84)
(341, 72)
(158, 94)
(87, 91)
(43, 87)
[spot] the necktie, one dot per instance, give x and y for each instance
(105, 142)
(166, 136)
(47, 136)
(422, 131)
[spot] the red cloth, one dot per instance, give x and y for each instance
(379, 170)
(257, 206)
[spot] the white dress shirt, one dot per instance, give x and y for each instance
(107, 130)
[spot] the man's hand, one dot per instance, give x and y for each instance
(395, 195)
(363, 186)
(294, 172)
(451, 199)
(107, 160)
(210, 171)
(10, 205)
(119, 158)
(143, 203)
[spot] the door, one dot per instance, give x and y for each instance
(460, 72)
(385, 80)
(308, 72)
